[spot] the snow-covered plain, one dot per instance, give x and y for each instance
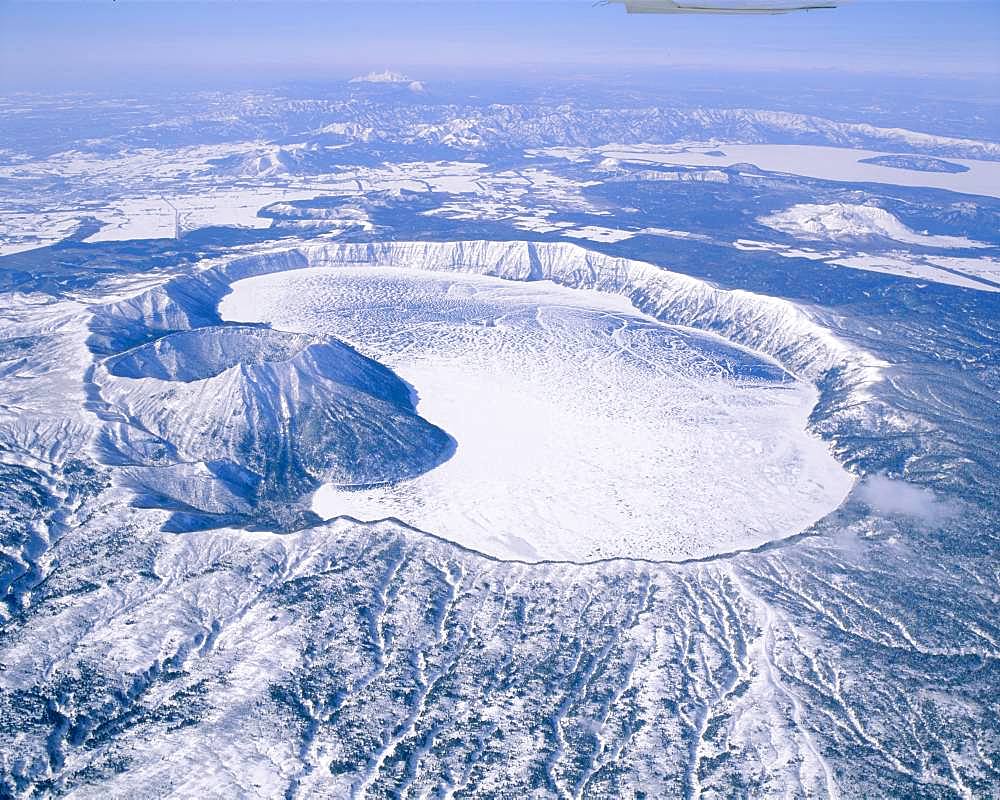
(143, 196)
(584, 429)
(981, 274)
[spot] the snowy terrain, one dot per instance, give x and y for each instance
(178, 619)
(841, 222)
(272, 410)
(328, 660)
(566, 406)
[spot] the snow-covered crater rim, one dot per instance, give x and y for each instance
(545, 523)
(203, 353)
(796, 338)
(792, 335)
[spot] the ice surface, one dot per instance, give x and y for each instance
(585, 430)
(815, 161)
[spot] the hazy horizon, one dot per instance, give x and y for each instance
(49, 45)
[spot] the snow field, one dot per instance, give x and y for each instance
(584, 429)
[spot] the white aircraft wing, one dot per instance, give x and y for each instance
(721, 6)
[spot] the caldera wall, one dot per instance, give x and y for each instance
(790, 334)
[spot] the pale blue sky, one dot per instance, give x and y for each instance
(79, 43)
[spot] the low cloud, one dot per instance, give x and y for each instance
(891, 497)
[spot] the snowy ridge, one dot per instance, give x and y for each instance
(265, 162)
(850, 133)
(42, 431)
(527, 126)
(775, 327)
(178, 305)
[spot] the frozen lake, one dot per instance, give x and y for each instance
(816, 161)
(584, 429)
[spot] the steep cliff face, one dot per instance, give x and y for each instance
(774, 327)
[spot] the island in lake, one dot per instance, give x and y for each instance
(918, 163)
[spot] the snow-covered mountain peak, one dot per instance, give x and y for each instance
(270, 414)
(838, 222)
(386, 76)
(192, 355)
(391, 77)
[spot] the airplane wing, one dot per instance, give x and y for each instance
(720, 6)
